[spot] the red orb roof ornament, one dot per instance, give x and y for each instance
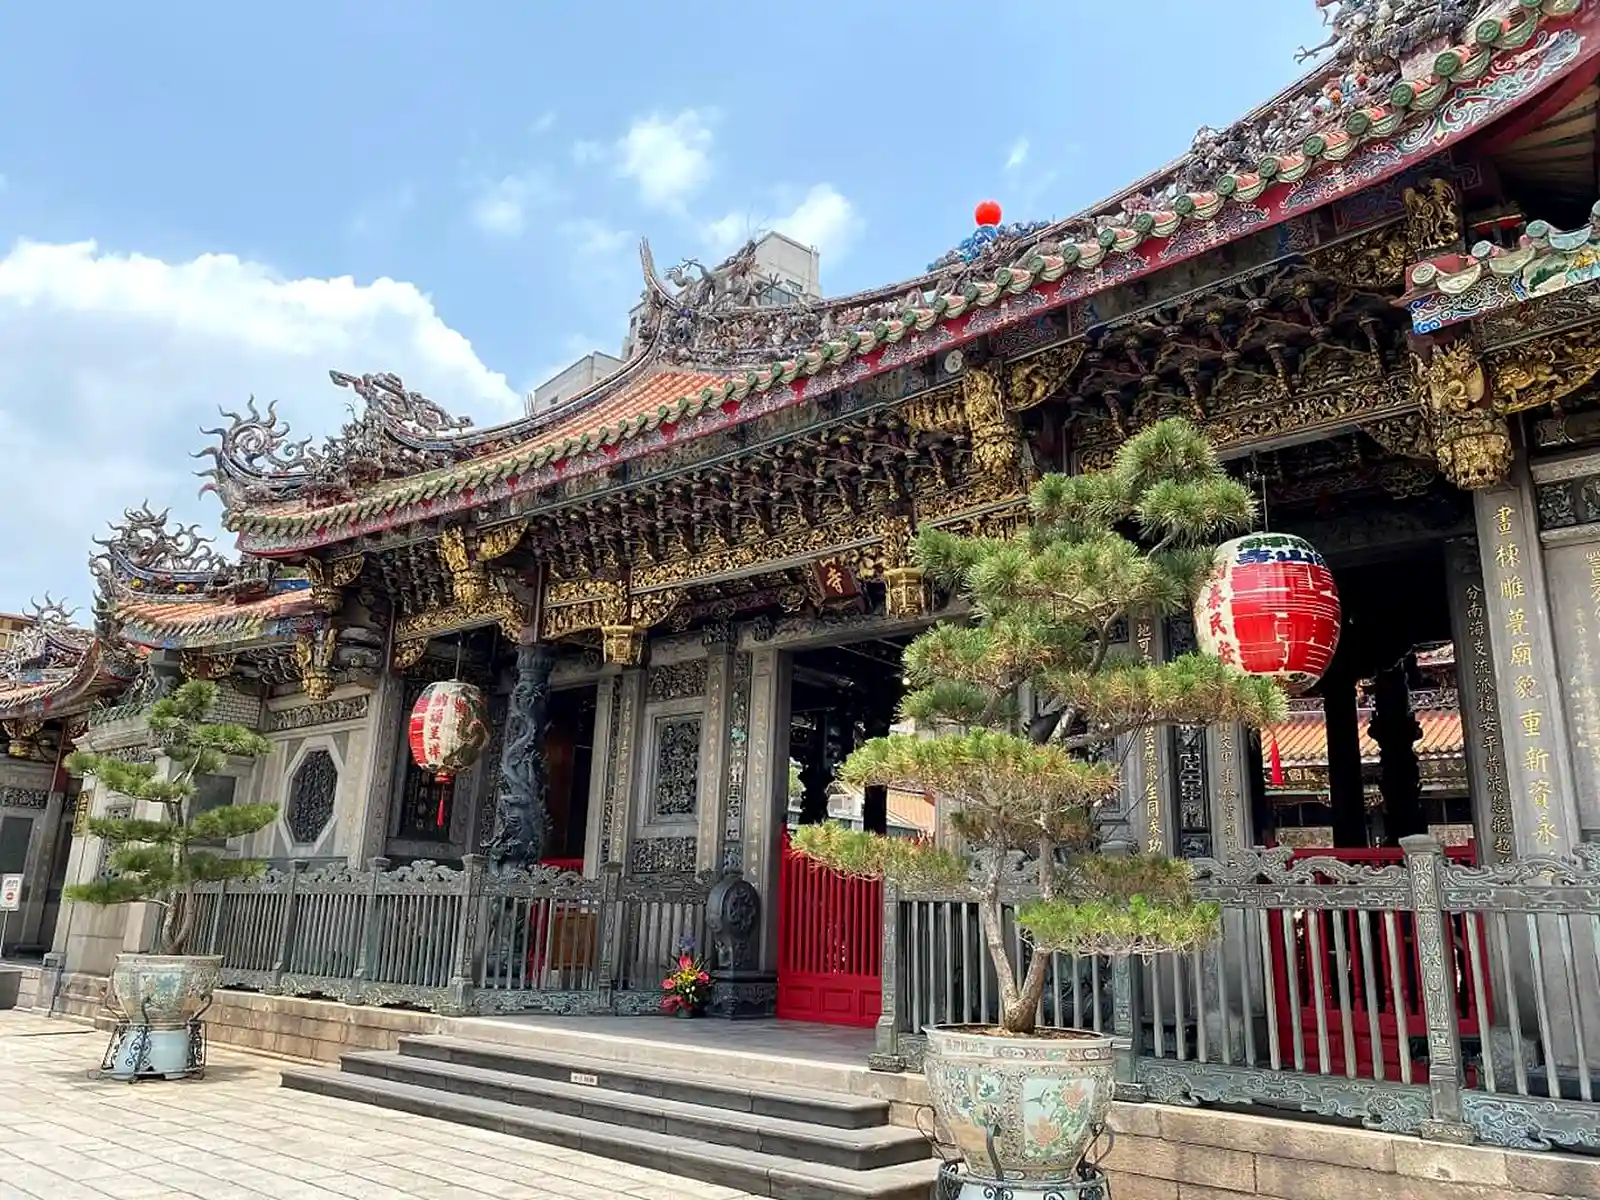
(987, 213)
(1270, 607)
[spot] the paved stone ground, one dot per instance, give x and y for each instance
(66, 1135)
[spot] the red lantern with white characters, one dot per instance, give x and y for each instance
(449, 728)
(1270, 607)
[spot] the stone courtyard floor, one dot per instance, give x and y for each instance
(66, 1135)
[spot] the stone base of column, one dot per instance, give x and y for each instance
(743, 995)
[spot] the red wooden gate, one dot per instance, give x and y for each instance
(830, 944)
(1375, 970)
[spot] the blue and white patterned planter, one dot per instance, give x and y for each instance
(159, 995)
(1031, 1104)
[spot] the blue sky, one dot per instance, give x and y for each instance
(200, 204)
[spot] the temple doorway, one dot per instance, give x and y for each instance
(569, 760)
(841, 697)
(830, 965)
(1376, 751)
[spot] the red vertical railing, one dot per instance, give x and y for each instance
(830, 944)
(1329, 950)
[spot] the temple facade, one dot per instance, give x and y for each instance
(685, 590)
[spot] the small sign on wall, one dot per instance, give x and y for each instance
(10, 893)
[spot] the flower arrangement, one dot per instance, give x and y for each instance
(687, 988)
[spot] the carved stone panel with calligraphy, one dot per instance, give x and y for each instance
(1573, 571)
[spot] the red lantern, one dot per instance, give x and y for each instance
(1270, 607)
(449, 728)
(987, 213)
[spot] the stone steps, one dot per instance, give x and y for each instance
(706, 1090)
(786, 1143)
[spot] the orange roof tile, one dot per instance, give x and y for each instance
(1303, 738)
(198, 622)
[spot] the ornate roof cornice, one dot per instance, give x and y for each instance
(1300, 157)
(161, 585)
(53, 667)
(1450, 288)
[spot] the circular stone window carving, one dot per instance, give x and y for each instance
(311, 794)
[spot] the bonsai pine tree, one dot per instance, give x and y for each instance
(1133, 541)
(160, 860)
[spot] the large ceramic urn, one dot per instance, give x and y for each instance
(159, 996)
(1021, 1110)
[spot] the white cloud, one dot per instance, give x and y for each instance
(669, 159)
(1017, 155)
(500, 209)
(544, 122)
(823, 218)
(110, 363)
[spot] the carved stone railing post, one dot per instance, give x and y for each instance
(463, 972)
(214, 935)
(886, 1054)
(1436, 976)
(739, 988)
(367, 951)
(281, 963)
(1124, 1006)
(612, 908)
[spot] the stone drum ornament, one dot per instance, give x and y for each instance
(1270, 607)
(449, 728)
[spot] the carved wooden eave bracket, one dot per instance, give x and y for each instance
(978, 407)
(623, 617)
(314, 657)
(1471, 440)
(480, 594)
(1544, 371)
(1377, 260)
(22, 737)
(329, 580)
(206, 665)
(1037, 378)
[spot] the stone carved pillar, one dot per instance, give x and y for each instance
(767, 787)
(385, 730)
(1522, 643)
(714, 774)
(522, 824)
(1520, 620)
(595, 840)
(1148, 771)
(1478, 688)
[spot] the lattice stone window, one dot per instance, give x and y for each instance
(311, 795)
(677, 781)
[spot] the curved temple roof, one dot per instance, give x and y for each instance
(54, 668)
(1402, 80)
(162, 586)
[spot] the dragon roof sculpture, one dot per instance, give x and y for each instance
(1398, 81)
(162, 585)
(55, 668)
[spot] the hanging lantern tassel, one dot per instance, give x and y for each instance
(1276, 760)
(444, 780)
